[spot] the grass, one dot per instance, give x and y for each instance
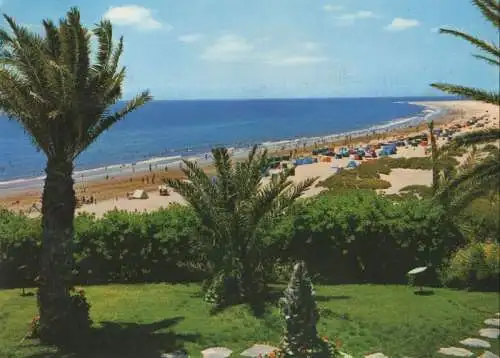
(146, 320)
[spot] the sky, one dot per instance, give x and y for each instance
(192, 49)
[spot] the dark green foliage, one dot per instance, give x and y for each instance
(19, 249)
(132, 247)
(300, 316)
(481, 218)
(120, 247)
(355, 236)
(362, 237)
(475, 267)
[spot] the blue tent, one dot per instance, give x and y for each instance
(352, 164)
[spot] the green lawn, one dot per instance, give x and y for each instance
(146, 320)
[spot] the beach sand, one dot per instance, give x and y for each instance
(111, 193)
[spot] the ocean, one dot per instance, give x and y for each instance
(162, 132)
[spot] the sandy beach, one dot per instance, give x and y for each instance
(110, 194)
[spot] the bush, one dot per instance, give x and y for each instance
(19, 249)
(120, 247)
(359, 236)
(474, 267)
(370, 238)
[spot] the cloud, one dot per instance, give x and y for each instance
(350, 18)
(400, 24)
(234, 48)
(331, 8)
(135, 16)
(295, 60)
(311, 46)
(229, 48)
(190, 38)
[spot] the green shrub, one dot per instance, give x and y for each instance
(120, 247)
(475, 267)
(19, 249)
(371, 238)
(358, 236)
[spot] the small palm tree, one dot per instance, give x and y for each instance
(491, 53)
(233, 206)
(52, 86)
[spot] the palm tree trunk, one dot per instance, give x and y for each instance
(58, 211)
(434, 158)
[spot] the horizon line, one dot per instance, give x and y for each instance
(291, 98)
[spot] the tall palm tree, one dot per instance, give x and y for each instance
(490, 9)
(434, 155)
(233, 206)
(62, 96)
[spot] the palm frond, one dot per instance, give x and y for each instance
(490, 10)
(472, 93)
(62, 95)
(481, 44)
(491, 61)
(106, 121)
(470, 139)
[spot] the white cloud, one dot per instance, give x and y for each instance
(234, 48)
(400, 24)
(190, 38)
(331, 8)
(363, 14)
(350, 18)
(229, 48)
(311, 46)
(295, 60)
(135, 16)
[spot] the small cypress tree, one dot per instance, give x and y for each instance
(300, 314)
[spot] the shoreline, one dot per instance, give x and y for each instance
(157, 163)
(115, 188)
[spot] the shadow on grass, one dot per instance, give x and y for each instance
(260, 306)
(332, 298)
(424, 293)
(127, 340)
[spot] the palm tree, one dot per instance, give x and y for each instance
(233, 206)
(478, 175)
(62, 97)
(491, 54)
(434, 156)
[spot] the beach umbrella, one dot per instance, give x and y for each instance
(416, 272)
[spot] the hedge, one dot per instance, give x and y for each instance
(355, 236)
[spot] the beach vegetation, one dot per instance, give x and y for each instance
(233, 207)
(65, 98)
(490, 53)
